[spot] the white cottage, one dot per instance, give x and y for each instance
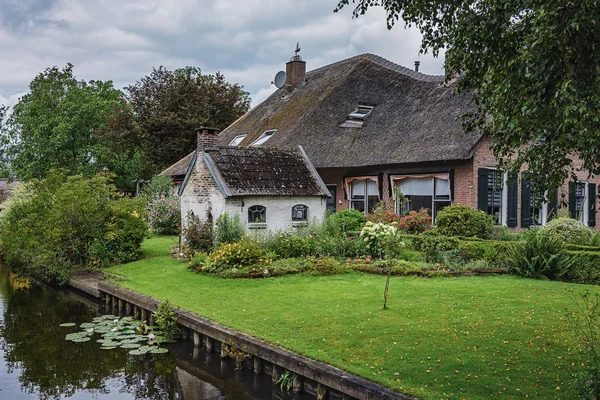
(268, 188)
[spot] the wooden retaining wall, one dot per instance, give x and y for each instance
(321, 379)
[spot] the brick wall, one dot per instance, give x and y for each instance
(483, 158)
(295, 72)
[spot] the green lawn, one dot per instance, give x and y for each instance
(471, 337)
(158, 245)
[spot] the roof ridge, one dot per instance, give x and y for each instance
(383, 62)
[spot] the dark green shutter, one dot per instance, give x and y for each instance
(513, 200)
(572, 209)
(482, 189)
(552, 204)
(592, 200)
(451, 176)
(525, 206)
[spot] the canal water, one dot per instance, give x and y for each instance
(38, 363)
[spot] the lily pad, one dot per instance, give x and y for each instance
(86, 325)
(159, 350)
(81, 340)
(137, 352)
(130, 346)
(68, 324)
(108, 347)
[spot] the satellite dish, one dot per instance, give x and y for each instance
(279, 80)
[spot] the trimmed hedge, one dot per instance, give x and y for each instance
(582, 267)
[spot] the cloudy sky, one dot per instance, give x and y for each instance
(247, 40)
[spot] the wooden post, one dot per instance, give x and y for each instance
(196, 353)
(120, 307)
(223, 350)
(276, 373)
(346, 397)
(136, 312)
(144, 317)
(107, 302)
(258, 365)
(197, 340)
(150, 318)
(298, 383)
(321, 392)
(127, 308)
(209, 344)
(115, 305)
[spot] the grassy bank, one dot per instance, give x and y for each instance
(476, 337)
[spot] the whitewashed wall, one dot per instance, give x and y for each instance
(202, 192)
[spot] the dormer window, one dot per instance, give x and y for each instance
(263, 138)
(237, 140)
(357, 117)
(360, 113)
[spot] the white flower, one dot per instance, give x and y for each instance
(234, 269)
(266, 272)
(151, 336)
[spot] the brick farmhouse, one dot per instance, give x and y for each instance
(373, 128)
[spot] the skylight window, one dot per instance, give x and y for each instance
(360, 113)
(263, 138)
(237, 140)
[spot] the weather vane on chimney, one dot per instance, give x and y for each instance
(297, 51)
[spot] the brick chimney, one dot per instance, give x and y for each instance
(207, 137)
(295, 70)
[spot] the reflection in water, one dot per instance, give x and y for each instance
(40, 363)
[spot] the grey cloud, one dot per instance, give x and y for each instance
(248, 41)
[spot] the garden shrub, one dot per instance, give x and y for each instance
(164, 214)
(459, 220)
(345, 221)
(581, 267)
(568, 230)
(326, 266)
(197, 234)
(197, 261)
(434, 244)
(381, 238)
(126, 229)
(288, 266)
(228, 229)
(166, 320)
(595, 239)
(415, 222)
(290, 245)
(500, 232)
(537, 256)
(384, 215)
(234, 256)
(68, 223)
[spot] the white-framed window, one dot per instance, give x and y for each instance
(264, 137)
(237, 140)
(300, 212)
(581, 202)
(430, 192)
(363, 193)
(257, 214)
(538, 210)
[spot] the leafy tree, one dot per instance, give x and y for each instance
(57, 125)
(167, 107)
(531, 67)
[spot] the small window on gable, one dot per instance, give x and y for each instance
(257, 214)
(263, 138)
(299, 212)
(237, 140)
(357, 117)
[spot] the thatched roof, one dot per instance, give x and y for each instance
(256, 171)
(414, 118)
(180, 167)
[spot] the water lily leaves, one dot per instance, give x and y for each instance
(81, 340)
(68, 324)
(130, 346)
(159, 350)
(87, 325)
(137, 352)
(108, 347)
